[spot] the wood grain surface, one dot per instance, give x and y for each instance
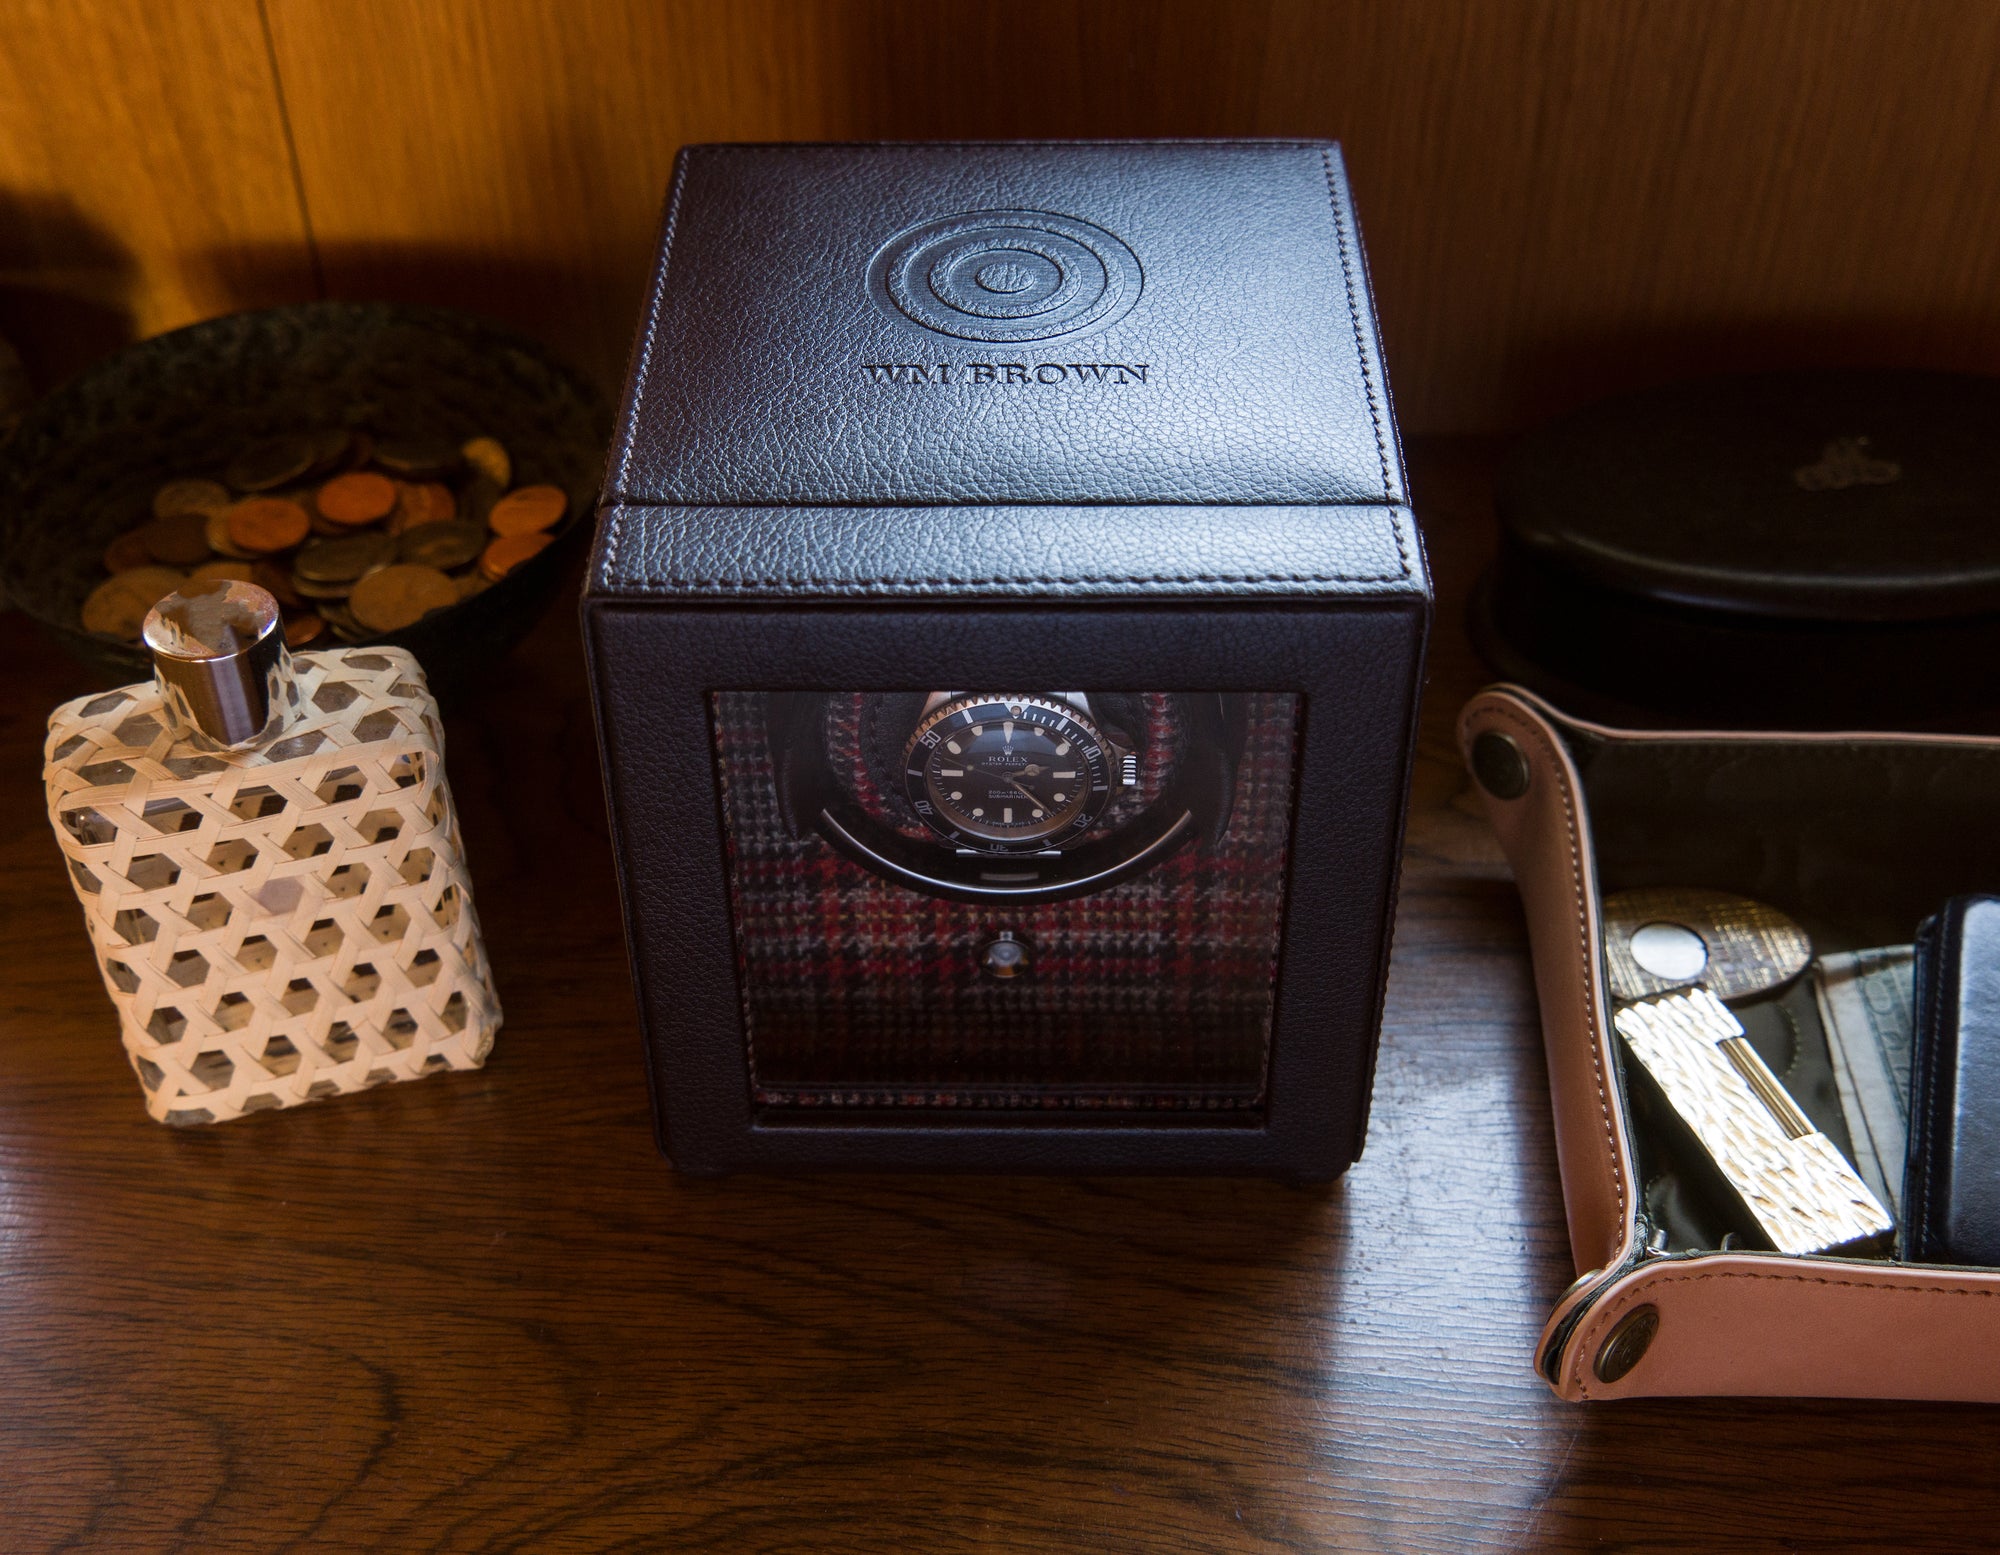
(479, 1312)
(1561, 197)
(145, 176)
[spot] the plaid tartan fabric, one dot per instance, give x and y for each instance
(859, 992)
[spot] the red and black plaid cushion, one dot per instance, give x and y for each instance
(858, 992)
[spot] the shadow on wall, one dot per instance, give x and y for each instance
(566, 308)
(1559, 374)
(1042, 69)
(64, 288)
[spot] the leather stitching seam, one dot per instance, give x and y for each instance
(1917, 1220)
(723, 780)
(1507, 715)
(1592, 1335)
(645, 363)
(1360, 339)
(867, 585)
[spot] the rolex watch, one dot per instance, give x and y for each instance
(1012, 772)
(1012, 795)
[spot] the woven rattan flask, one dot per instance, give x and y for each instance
(269, 865)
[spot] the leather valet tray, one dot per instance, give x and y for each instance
(1784, 550)
(1858, 837)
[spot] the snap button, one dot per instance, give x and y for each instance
(1626, 1345)
(1499, 765)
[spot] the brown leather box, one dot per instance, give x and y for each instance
(1856, 836)
(1009, 418)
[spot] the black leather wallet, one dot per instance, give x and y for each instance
(1951, 1194)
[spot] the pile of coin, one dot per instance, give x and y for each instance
(353, 534)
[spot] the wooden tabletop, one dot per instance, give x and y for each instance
(481, 1312)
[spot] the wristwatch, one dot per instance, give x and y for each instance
(1007, 795)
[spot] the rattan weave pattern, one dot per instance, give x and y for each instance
(283, 924)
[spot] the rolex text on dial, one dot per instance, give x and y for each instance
(1004, 773)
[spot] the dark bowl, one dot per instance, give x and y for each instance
(84, 462)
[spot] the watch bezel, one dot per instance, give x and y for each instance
(1070, 722)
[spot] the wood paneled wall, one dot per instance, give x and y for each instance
(1560, 196)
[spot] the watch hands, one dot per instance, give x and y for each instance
(1011, 783)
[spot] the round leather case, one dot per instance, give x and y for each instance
(1787, 550)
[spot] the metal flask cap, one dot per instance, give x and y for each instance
(219, 660)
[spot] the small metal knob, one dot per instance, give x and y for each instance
(220, 662)
(1005, 956)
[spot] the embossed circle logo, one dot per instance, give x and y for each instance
(1006, 275)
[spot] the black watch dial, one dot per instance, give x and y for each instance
(1002, 773)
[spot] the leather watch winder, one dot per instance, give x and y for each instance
(916, 437)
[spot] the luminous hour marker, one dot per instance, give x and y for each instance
(977, 811)
(953, 746)
(1007, 731)
(1038, 815)
(1060, 799)
(1007, 815)
(960, 772)
(1063, 749)
(1062, 774)
(956, 795)
(975, 731)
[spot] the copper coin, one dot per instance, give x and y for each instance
(440, 506)
(261, 525)
(302, 627)
(235, 571)
(408, 512)
(358, 497)
(179, 541)
(190, 496)
(417, 458)
(443, 546)
(422, 502)
(118, 606)
(270, 463)
(528, 511)
(472, 581)
(489, 458)
(126, 552)
(340, 621)
(216, 527)
(343, 560)
(276, 580)
(393, 597)
(319, 593)
(509, 551)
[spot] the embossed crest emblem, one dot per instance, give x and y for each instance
(1846, 462)
(1006, 276)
